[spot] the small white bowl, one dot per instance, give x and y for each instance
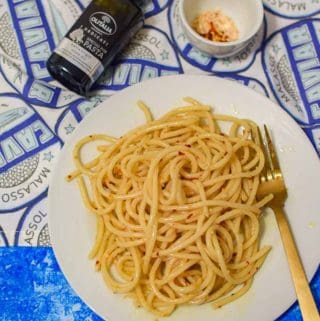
(247, 15)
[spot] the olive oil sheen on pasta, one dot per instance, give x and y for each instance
(101, 32)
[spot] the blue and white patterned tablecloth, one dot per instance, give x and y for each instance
(37, 116)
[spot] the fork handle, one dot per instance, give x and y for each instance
(306, 301)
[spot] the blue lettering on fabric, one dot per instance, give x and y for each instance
(28, 150)
(150, 54)
(155, 6)
(293, 9)
(291, 62)
(33, 227)
(34, 36)
(74, 114)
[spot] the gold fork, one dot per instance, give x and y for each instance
(272, 182)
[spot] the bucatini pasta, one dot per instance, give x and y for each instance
(176, 208)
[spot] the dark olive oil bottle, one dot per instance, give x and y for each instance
(101, 32)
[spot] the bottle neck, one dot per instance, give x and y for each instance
(141, 3)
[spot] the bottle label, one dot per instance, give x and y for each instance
(80, 57)
(103, 23)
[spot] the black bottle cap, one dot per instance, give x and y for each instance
(141, 3)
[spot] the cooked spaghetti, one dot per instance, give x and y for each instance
(176, 208)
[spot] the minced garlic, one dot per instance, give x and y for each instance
(216, 26)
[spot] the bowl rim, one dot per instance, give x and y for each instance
(222, 44)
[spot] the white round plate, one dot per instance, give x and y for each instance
(72, 228)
